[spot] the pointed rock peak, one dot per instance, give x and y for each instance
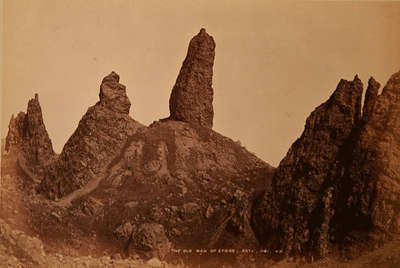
(113, 94)
(202, 46)
(357, 82)
(371, 96)
(373, 83)
(34, 102)
(112, 77)
(203, 35)
(348, 93)
(373, 87)
(192, 96)
(27, 133)
(34, 115)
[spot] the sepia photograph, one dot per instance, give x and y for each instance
(199, 133)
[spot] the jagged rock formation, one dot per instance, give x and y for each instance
(372, 179)
(340, 177)
(148, 189)
(297, 212)
(28, 137)
(113, 94)
(192, 96)
(100, 136)
(176, 173)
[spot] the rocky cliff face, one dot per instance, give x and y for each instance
(340, 177)
(28, 137)
(192, 96)
(296, 214)
(100, 136)
(372, 179)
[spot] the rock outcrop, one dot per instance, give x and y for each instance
(339, 182)
(192, 96)
(296, 213)
(100, 136)
(28, 137)
(371, 185)
(113, 94)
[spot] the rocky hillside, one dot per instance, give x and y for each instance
(101, 134)
(165, 191)
(339, 184)
(146, 190)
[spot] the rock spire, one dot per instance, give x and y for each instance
(28, 135)
(192, 96)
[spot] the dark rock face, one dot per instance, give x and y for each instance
(100, 136)
(192, 96)
(296, 214)
(27, 134)
(372, 179)
(339, 180)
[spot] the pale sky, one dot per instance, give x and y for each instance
(274, 63)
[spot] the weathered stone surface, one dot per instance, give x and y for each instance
(295, 214)
(114, 176)
(192, 96)
(113, 94)
(27, 135)
(179, 172)
(100, 136)
(371, 184)
(14, 243)
(340, 181)
(151, 238)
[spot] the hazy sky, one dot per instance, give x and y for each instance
(275, 62)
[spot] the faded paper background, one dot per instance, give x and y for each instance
(275, 62)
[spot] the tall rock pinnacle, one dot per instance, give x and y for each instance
(100, 135)
(27, 134)
(113, 94)
(192, 96)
